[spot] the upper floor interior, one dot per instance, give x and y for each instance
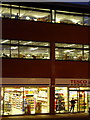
(47, 12)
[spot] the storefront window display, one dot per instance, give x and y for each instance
(13, 101)
(1, 104)
(61, 99)
(37, 99)
(81, 97)
(24, 100)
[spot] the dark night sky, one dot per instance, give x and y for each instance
(77, 1)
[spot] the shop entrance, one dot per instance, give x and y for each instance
(82, 100)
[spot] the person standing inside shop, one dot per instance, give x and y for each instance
(72, 105)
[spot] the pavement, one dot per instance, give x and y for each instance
(69, 116)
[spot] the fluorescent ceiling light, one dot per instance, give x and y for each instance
(13, 48)
(4, 41)
(68, 50)
(27, 43)
(27, 18)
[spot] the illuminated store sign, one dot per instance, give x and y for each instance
(79, 82)
(72, 82)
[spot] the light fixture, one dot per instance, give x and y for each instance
(4, 41)
(27, 18)
(27, 43)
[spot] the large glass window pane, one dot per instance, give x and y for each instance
(13, 101)
(86, 55)
(34, 52)
(0, 11)
(14, 42)
(86, 46)
(14, 51)
(15, 13)
(2, 41)
(36, 100)
(87, 20)
(68, 45)
(34, 43)
(68, 54)
(35, 15)
(0, 50)
(5, 51)
(61, 99)
(69, 19)
(5, 12)
(1, 109)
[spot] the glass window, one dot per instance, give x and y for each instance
(86, 55)
(69, 19)
(35, 15)
(13, 101)
(86, 46)
(34, 52)
(5, 51)
(15, 13)
(34, 43)
(37, 99)
(87, 20)
(2, 41)
(68, 45)
(1, 109)
(5, 12)
(14, 42)
(68, 54)
(61, 99)
(0, 50)
(14, 51)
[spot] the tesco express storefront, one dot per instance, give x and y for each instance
(32, 95)
(66, 89)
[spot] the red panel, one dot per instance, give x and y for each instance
(72, 69)
(42, 68)
(27, 30)
(19, 68)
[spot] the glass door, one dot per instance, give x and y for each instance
(81, 100)
(73, 95)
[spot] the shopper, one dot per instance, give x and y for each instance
(72, 105)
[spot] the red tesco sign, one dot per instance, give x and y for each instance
(78, 81)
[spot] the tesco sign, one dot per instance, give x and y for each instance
(79, 82)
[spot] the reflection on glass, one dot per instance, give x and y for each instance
(34, 52)
(14, 51)
(61, 102)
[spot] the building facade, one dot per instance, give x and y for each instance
(45, 53)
